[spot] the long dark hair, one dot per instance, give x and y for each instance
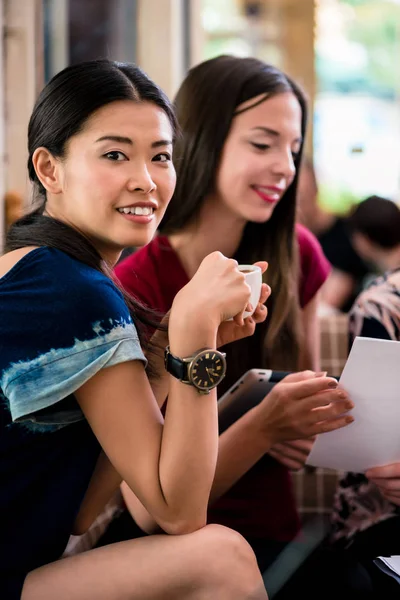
(205, 105)
(61, 111)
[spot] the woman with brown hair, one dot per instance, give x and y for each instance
(243, 126)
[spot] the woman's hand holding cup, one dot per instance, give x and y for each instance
(243, 326)
(253, 275)
(216, 292)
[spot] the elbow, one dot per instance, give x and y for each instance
(183, 526)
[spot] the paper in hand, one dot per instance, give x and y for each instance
(371, 377)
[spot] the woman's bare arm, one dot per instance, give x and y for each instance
(170, 465)
(300, 408)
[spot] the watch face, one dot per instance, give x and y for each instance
(207, 369)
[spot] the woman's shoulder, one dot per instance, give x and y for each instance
(308, 242)
(10, 260)
(314, 266)
(380, 289)
(382, 292)
(44, 260)
(52, 275)
(378, 305)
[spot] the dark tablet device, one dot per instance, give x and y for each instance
(246, 393)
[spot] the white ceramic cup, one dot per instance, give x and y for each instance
(253, 276)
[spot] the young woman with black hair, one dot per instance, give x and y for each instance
(78, 412)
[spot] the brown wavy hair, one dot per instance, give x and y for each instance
(205, 106)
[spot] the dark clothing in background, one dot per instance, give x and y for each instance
(339, 250)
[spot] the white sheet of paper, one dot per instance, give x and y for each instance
(393, 562)
(371, 377)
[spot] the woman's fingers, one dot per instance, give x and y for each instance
(260, 314)
(305, 408)
(238, 319)
(246, 329)
(302, 376)
(302, 446)
(325, 412)
(265, 293)
(261, 311)
(331, 417)
(395, 499)
(293, 464)
(332, 424)
(310, 386)
(328, 405)
(262, 264)
(388, 485)
(385, 472)
(292, 452)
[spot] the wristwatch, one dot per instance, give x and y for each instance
(204, 370)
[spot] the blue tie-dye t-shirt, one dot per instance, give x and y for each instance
(60, 323)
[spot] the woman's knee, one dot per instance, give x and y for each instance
(230, 564)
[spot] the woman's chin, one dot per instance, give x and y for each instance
(263, 217)
(137, 238)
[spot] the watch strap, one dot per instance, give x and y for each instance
(176, 366)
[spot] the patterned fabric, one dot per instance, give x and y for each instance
(315, 487)
(334, 343)
(86, 541)
(358, 503)
(61, 322)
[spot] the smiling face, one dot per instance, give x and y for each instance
(116, 178)
(257, 162)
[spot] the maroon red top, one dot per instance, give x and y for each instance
(261, 504)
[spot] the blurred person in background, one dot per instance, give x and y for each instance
(374, 226)
(366, 515)
(243, 127)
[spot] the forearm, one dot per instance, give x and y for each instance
(105, 479)
(240, 447)
(138, 512)
(189, 444)
(189, 451)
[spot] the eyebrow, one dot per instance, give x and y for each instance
(273, 132)
(125, 140)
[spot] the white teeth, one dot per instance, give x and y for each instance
(141, 210)
(274, 195)
(137, 210)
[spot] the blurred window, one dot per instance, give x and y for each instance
(357, 112)
(78, 30)
(241, 28)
